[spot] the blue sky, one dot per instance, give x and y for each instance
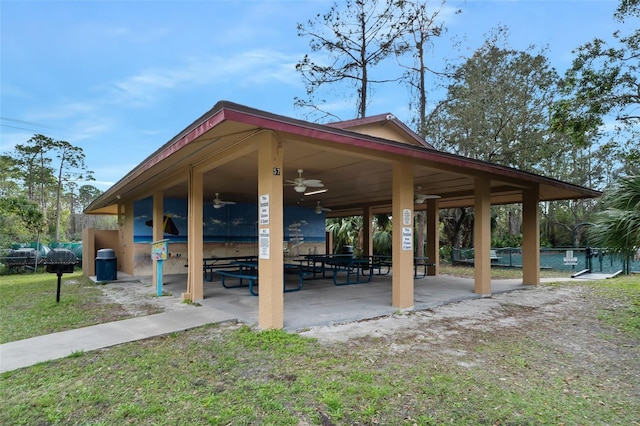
(120, 78)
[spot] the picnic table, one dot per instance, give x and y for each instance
(380, 262)
(357, 270)
(345, 269)
(315, 264)
(248, 271)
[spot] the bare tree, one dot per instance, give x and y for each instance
(423, 29)
(347, 43)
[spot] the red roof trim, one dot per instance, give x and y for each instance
(225, 110)
(195, 133)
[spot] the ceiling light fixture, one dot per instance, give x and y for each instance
(300, 188)
(318, 191)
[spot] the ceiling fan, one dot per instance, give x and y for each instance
(320, 209)
(301, 184)
(218, 203)
(420, 198)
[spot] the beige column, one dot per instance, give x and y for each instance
(402, 211)
(433, 236)
(530, 237)
(482, 236)
(367, 235)
(127, 252)
(158, 229)
(270, 232)
(195, 284)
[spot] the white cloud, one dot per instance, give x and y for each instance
(63, 110)
(247, 68)
(85, 129)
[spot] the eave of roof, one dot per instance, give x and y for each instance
(225, 110)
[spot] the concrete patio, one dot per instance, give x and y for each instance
(322, 303)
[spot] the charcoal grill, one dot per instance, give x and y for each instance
(60, 261)
(23, 258)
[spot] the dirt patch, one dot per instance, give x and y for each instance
(551, 330)
(500, 312)
(139, 298)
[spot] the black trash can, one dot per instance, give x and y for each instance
(106, 265)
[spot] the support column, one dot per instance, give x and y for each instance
(195, 284)
(530, 236)
(433, 236)
(402, 211)
(270, 232)
(482, 236)
(127, 249)
(367, 235)
(157, 216)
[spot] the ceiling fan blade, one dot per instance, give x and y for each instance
(311, 181)
(319, 209)
(218, 203)
(421, 198)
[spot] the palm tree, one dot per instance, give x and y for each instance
(382, 241)
(345, 231)
(617, 228)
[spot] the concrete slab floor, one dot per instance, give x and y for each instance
(322, 303)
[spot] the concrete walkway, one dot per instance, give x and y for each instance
(27, 352)
(320, 303)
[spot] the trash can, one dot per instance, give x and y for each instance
(106, 265)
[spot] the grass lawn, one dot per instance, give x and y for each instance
(28, 305)
(231, 374)
(498, 273)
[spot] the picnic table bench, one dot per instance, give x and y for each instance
(248, 270)
(378, 262)
(420, 265)
(358, 270)
(212, 264)
(316, 264)
(252, 278)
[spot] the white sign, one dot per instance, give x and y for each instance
(569, 259)
(265, 243)
(264, 209)
(406, 217)
(407, 238)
